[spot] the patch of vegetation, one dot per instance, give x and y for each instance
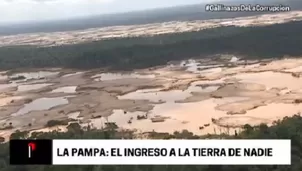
(297, 101)
(141, 117)
(28, 100)
(111, 125)
(2, 139)
(20, 77)
(52, 123)
(61, 112)
(74, 127)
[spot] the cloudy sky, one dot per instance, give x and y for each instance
(25, 10)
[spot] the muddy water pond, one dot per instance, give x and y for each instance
(67, 89)
(41, 104)
(30, 87)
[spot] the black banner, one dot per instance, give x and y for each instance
(30, 152)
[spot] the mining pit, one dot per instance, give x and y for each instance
(201, 96)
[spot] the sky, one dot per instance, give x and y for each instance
(15, 11)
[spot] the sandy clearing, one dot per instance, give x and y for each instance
(188, 116)
(271, 79)
(29, 87)
(232, 96)
(7, 100)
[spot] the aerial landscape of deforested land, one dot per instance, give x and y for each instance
(224, 78)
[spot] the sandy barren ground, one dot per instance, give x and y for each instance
(201, 96)
(88, 35)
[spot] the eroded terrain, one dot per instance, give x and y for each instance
(95, 34)
(202, 96)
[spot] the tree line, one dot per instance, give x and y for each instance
(140, 52)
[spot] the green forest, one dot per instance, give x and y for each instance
(140, 52)
(287, 128)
